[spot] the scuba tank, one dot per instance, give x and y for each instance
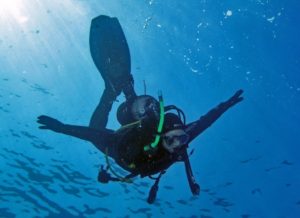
(143, 107)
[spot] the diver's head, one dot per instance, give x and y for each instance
(174, 137)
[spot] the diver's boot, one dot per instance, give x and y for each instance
(121, 83)
(113, 88)
(128, 88)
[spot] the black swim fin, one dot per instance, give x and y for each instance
(110, 52)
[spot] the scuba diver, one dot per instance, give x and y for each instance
(153, 136)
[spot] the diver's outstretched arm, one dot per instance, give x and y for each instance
(197, 127)
(82, 132)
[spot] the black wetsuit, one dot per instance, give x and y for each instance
(108, 141)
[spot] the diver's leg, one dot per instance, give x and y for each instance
(113, 89)
(197, 127)
(110, 53)
(100, 116)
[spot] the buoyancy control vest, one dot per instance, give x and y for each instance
(143, 123)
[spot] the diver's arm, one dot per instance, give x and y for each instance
(81, 132)
(195, 188)
(197, 127)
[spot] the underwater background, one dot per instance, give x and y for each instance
(198, 53)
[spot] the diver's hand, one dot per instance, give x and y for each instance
(195, 189)
(103, 175)
(49, 123)
(236, 98)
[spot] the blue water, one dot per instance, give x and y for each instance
(198, 53)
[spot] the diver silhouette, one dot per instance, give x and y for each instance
(152, 136)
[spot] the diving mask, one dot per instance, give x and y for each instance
(174, 139)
